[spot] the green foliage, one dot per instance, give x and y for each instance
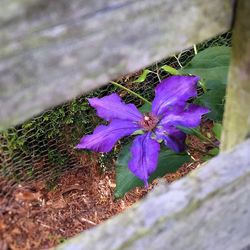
(57, 158)
(194, 131)
(211, 153)
(43, 137)
(168, 162)
(145, 108)
(170, 70)
(217, 129)
(14, 140)
(212, 66)
(191, 131)
(143, 76)
(213, 99)
(49, 126)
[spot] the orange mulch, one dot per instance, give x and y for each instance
(35, 218)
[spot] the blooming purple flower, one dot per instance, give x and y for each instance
(169, 110)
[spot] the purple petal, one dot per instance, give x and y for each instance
(112, 107)
(189, 117)
(172, 137)
(174, 90)
(144, 157)
(104, 137)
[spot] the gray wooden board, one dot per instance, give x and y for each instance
(236, 120)
(52, 51)
(208, 209)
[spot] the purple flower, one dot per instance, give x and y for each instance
(169, 110)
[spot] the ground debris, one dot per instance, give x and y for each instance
(35, 218)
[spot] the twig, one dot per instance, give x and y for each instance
(44, 224)
(86, 220)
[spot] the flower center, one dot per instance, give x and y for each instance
(149, 121)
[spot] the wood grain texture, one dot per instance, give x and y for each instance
(236, 123)
(208, 209)
(52, 51)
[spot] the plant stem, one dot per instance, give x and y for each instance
(131, 92)
(203, 137)
(203, 86)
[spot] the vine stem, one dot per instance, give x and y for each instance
(131, 92)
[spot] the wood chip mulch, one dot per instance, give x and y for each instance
(35, 218)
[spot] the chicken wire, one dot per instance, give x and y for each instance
(43, 147)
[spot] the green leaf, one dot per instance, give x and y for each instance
(194, 131)
(214, 101)
(170, 70)
(143, 76)
(210, 64)
(168, 162)
(145, 108)
(211, 153)
(217, 129)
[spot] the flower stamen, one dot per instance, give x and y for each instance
(149, 121)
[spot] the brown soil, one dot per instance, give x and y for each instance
(83, 198)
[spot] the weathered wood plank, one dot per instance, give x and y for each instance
(52, 51)
(209, 209)
(236, 124)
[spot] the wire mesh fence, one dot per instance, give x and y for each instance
(43, 147)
